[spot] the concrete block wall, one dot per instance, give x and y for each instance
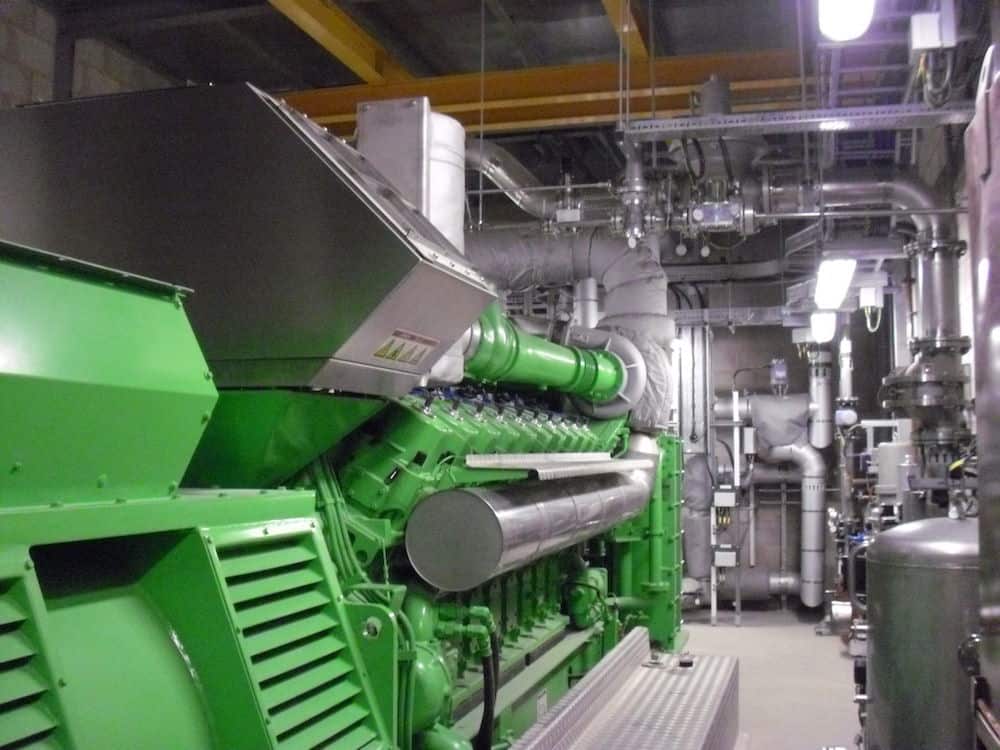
(27, 60)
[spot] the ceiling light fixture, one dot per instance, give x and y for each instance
(844, 20)
(833, 280)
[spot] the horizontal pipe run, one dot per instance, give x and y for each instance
(860, 213)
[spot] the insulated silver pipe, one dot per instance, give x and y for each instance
(501, 168)
(813, 468)
(458, 539)
(845, 385)
(586, 310)
(820, 397)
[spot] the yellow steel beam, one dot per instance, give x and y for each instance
(563, 95)
(622, 14)
(337, 32)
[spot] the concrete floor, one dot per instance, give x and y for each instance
(796, 688)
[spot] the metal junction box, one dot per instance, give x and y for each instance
(309, 269)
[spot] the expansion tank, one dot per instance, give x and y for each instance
(922, 604)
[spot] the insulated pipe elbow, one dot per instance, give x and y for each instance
(813, 468)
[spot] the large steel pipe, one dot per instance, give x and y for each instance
(461, 538)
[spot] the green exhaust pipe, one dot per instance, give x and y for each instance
(504, 353)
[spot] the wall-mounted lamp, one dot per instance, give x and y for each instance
(843, 20)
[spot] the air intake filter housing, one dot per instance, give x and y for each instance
(309, 269)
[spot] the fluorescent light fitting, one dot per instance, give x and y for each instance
(833, 280)
(823, 326)
(834, 125)
(844, 20)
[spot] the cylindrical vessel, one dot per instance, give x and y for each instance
(446, 178)
(458, 539)
(922, 604)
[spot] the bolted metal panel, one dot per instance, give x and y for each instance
(922, 604)
(104, 392)
(310, 269)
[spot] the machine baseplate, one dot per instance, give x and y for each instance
(631, 700)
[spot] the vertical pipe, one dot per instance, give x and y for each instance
(802, 81)
(586, 312)
(737, 448)
(846, 383)
(625, 569)
(783, 540)
(752, 497)
(714, 574)
(820, 397)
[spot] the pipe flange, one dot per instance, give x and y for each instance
(928, 246)
(634, 382)
(959, 344)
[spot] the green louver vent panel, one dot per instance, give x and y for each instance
(294, 642)
(27, 719)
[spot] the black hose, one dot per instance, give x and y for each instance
(695, 178)
(491, 679)
(724, 149)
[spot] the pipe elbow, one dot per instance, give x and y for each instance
(501, 168)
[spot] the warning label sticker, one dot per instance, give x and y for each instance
(406, 347)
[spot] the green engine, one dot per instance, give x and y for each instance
(140, 610)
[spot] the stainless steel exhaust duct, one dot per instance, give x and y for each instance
(461, 538)
(501, 168)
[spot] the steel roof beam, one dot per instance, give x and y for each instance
(562, 96)
(342, 37)
(622, 14)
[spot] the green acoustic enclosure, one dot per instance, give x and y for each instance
(259, 438)
(104, 391)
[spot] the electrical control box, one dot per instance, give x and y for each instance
(725, 556)
(934, 31)
(725, 498)
(749, 441)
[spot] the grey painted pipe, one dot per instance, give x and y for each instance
(458, 539)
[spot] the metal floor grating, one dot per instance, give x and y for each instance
(630, 701)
